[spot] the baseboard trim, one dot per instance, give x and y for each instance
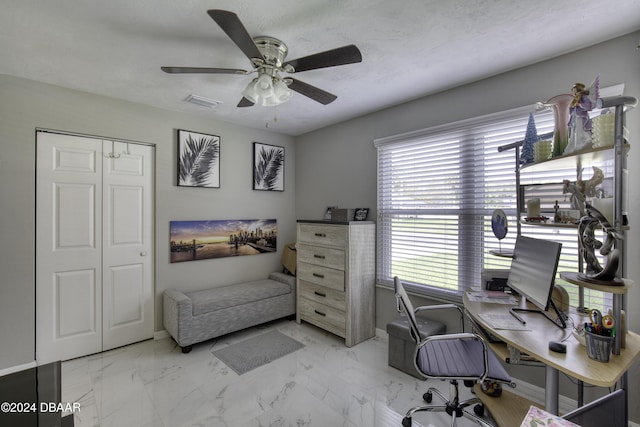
(160, 335)
(17, 368)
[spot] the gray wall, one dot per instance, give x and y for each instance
(337, 164)
(25, 105)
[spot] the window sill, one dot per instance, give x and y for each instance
(422, 292)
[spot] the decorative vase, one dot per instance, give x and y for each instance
(560, 105)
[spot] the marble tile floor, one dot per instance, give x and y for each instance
(326, 384)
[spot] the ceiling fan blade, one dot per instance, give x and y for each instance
(231, 24)
(195, 70)
(340, 56)
(244, 102)
(312, 92)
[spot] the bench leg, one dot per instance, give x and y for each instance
(186, 349)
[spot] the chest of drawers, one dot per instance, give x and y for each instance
(336, 278)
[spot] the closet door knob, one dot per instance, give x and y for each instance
(143, 253)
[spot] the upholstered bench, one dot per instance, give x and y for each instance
(193, 317)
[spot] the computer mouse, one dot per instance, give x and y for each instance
(558, 347)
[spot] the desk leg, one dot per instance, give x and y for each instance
(580, 393)
(552, 390)
(624, 384)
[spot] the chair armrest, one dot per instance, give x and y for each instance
(443, 307)
(459, 336)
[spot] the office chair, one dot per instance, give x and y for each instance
(609, 410)
(453, 357)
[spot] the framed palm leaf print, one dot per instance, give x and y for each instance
(198, 159)
(268, 167)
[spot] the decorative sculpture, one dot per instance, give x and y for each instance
(577, 198)
(499, 224)
(588, 244)
(580, 126)
(588, 187)
(581, 189)
(556, 213)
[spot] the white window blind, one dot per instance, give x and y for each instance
(437, 190)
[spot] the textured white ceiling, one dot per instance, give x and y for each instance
(410, 48)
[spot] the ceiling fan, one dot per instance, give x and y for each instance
(267, 56)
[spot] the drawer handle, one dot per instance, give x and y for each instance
(320, 235)
(319, 312)
(321, 276)
(320, 294)
(319, 256)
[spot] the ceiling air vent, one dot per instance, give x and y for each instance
(202, 101)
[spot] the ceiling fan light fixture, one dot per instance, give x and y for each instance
(265, 82)
(279, 94)
(264, 86)
(267, 91)
(270, 101)
(267, 56)
(281, 91)
(250, 92)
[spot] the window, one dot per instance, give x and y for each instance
(437, 190)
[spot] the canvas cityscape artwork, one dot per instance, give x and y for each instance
(198, 240)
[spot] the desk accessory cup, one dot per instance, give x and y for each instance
(598, 346)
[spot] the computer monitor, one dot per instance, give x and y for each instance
(532, 275)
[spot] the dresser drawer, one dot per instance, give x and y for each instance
(321, 234)
(327, 318)
(328, 277)
(322, 295)
(320, 255)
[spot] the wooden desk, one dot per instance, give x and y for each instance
(575, 362)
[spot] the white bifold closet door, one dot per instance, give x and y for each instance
(94, 245)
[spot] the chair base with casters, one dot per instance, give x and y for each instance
(454, 357)
(451, 406)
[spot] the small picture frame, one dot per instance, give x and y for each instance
(198, 159)
(328, 212)
(268, 167)
(361, 214)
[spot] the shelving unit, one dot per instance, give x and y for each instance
(588, 157)
(614, 161)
